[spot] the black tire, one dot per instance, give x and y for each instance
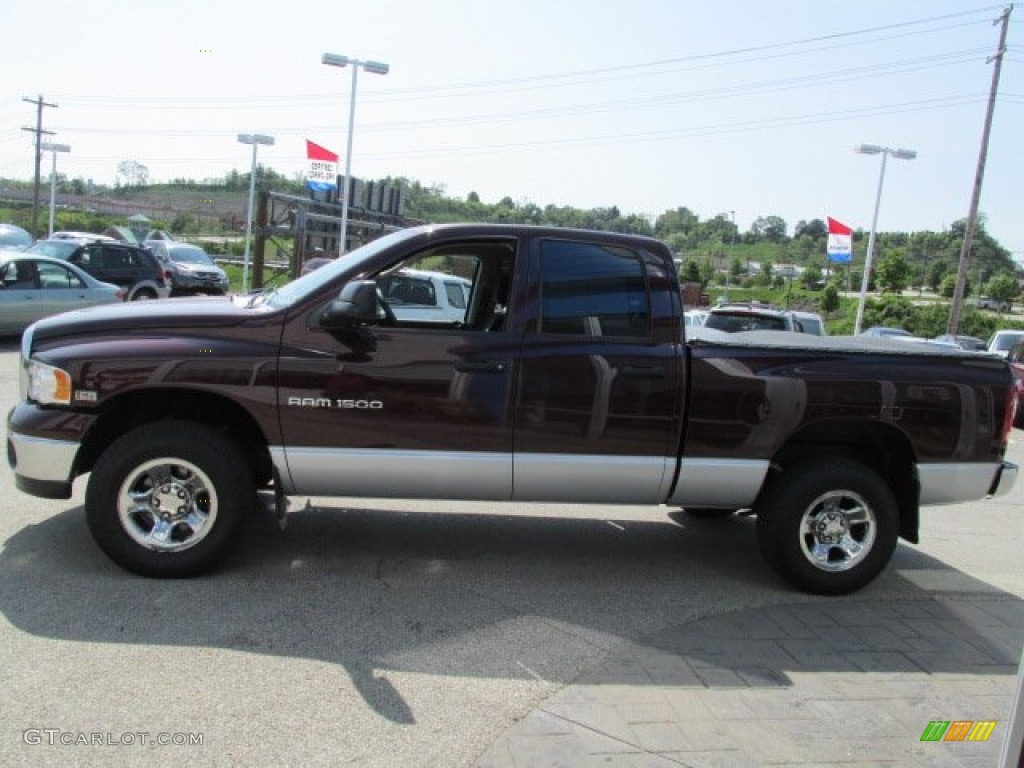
(168, 499)
(828, 526)
(144, 294)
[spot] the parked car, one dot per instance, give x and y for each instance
(32, 287)
(695, 317)
(1016, 360)
(987, 302)
(83, 236)
(970, 343)
(811, 322)
(754, 316)
(189, 268)
(315, 263)
(425, 296)
(1001, 342)
(133, 268)
(14, 238)
(882, 331)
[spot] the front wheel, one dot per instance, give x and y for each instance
(828, 526)
(168, 499)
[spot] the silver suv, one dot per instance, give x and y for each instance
(189, 268)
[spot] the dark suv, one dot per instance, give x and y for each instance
(134, 269)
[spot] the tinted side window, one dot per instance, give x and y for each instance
(593, 290)
(116, 258)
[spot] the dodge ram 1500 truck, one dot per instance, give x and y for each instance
(569, 378)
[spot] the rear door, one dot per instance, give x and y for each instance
(63, 290)
(600, 380)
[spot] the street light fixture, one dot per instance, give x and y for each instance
(885, 152)
(376, 68)
(54, 148)
(255, 139)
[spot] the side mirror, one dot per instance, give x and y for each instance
(356, 304)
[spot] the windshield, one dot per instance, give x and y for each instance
(189, 255)
(56, 249)
(1003, 341)
(293, 292)
(735, 323)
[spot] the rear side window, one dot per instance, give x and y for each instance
(593, 290)
(116, 258)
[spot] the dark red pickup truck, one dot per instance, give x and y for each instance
(568, 379)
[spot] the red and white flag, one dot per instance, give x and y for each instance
(840, 242)
(323, 167)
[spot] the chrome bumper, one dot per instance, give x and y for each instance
(1004, 480)
(42, 467)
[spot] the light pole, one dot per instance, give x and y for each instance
(54, 148)
(377, 68)
(874, 149)
(255, 139)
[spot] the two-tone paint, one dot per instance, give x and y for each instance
(449, 412)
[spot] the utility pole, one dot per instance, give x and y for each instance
(38, 131)
(972, 217)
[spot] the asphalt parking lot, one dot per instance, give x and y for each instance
(436, 634)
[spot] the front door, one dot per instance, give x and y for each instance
(416, 405)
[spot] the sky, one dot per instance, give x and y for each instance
(744, 108)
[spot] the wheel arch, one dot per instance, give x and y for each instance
(133, 409)
(882, 447)
(144, 286)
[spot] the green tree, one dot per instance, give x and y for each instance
(829, 299)
(893, 273)
(690, 272)
(948, 287)
(937, 273)
(811, 276)
(815, 228)
(1002, 288)
(770, 228)
(682, 220)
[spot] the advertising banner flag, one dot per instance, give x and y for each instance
(323, 168)
(840, 242)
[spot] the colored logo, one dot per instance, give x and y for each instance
(958, 730)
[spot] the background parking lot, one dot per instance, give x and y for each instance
(412, 634)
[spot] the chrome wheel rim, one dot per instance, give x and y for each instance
(167, 505)
(837, 531)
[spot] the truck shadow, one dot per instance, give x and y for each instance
(503, 597)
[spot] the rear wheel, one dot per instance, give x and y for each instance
(828, 526)
(169, 498)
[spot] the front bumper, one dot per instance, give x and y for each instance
(1004, 480)
(192, 283)
(43, 447)
(42, 467)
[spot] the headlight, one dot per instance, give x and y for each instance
(48, 385)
